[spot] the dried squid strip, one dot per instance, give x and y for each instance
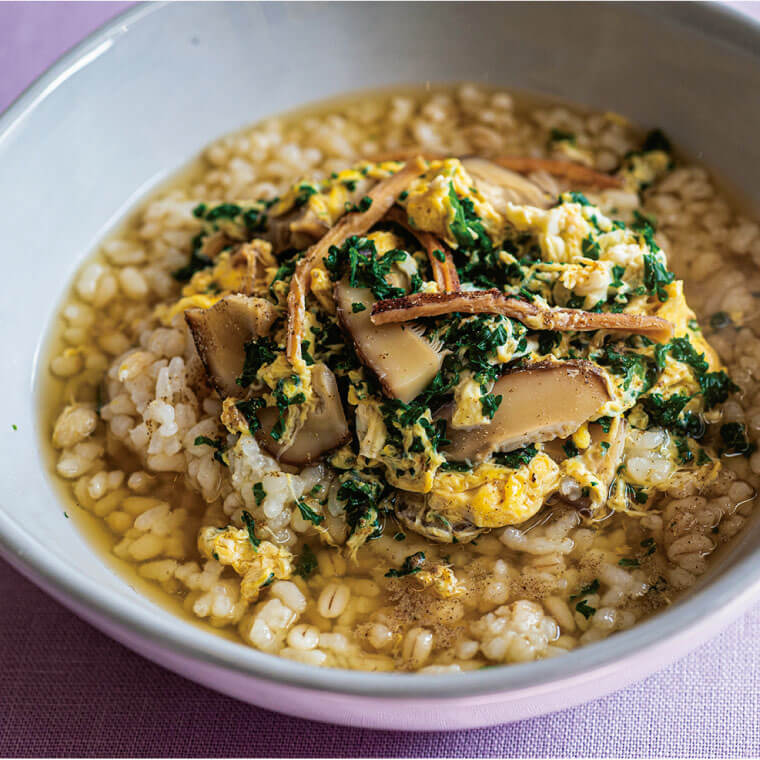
(444, 272)
(383, 196)
(419, 305)
(569, 170)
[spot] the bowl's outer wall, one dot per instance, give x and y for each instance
(134, 104)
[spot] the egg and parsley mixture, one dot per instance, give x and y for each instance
(452, 490)
(571, 255)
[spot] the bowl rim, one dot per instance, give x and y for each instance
(716, 604)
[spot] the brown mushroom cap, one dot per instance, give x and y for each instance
(501, 186)
(539, 402)
(325, 428)
(221, 332)
(404, 362)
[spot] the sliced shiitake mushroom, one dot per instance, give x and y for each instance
(404, 362)
(501, 186)
(325, 428)
(221, 332)
(539, 402)
(413, 512)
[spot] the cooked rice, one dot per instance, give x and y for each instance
(125, 436)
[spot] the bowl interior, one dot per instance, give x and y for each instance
(140, 98)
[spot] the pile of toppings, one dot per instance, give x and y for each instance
(456, 347)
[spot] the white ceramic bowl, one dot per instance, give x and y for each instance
(147, 92)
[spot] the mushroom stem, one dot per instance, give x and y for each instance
(383, 196)
(444, 272)
(418, 305)
(569, 170)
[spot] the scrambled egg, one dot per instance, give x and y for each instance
(258, 565)
(411, 467)
(429, 205)
(468, 410)
(328, 200)
(287, 383)
(493, 495)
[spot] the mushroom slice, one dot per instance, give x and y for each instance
(413, 512)
(539, 402)
(501, 186)
(325, 428)
(382, 196)
(530, 314)
(404, 362)
(221, 332)
(569, 170)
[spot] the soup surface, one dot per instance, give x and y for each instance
(418, 381)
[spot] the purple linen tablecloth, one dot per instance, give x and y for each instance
(65, 689)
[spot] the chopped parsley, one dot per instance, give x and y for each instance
(517, 458)
(306, 563)
(259, 493)
(258, 352)
(356, 307)
(249, 409)
(250, 525)
(215, 443)
(411, 565)
(490, 404)
(358, 257)
(560, 135)
(682, 351)
(585, 609)
(590, 248)
(735, 441)
(308, 513)
(591, 588)
(656, 276)
(570, 449)
(467, 227)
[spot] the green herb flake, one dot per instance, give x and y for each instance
(656, 276)
(735, 441)
(490, 404)
(570, 449)
(411, 565)
(560, 135)
(308, 513)
(306, 563)
(357, 307)
(517, 458)
(591, 588)
(586, 610)
(250, 525)
(259, 493)
(215, 443)
(719, 320)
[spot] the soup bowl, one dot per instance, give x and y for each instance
(139, 98)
